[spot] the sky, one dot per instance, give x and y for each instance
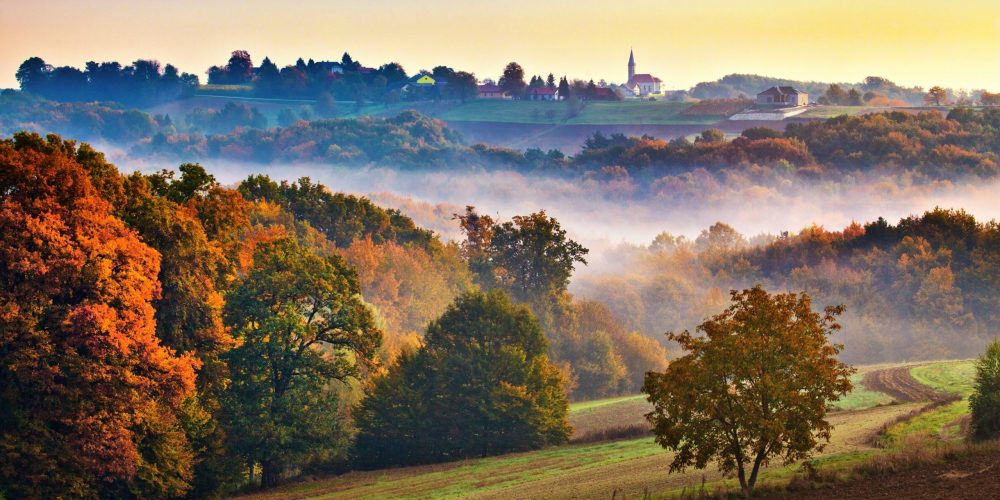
(913, 42)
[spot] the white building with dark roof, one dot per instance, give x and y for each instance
(782, 97)
(641, 84)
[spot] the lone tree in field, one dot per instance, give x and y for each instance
(985, 399)
(755, 386)
(936, 96)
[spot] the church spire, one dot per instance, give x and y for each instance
(631, 64)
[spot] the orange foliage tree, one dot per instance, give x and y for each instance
(89, 397)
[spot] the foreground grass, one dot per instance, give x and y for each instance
(630, 467)
(634, 467)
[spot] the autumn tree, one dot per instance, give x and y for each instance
(303, 325)
(91, 399)
(481, 385)
(936, 96)
(171, 215)
(753, 386)
(984, 402)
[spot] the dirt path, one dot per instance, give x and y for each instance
(970, 476)
(898, 383)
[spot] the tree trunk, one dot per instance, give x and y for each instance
(269, 474)
(756, 468)
(743, 480)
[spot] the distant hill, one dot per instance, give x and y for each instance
(736, 85)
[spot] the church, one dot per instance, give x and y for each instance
(641, 84)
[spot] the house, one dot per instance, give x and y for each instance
(782, 97)
(421, 80)
(542, 94)
(627, 91)
(641, 84)
(490, 91)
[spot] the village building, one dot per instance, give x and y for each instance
(490, 91)
(421, 80)
(543, 94)
(641, 84)
(782, 97)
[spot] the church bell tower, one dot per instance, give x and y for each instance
(631, 65)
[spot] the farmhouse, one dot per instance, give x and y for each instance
(490, 91)
(782, 97)
(421, 80)
(641, 84)
(543, 94)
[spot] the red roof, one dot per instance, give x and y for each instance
(488, 88)
(542, 91)
(645, 78)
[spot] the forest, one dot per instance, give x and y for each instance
(244, 324)
(923, 288)
(274, 328)
(926, 145)
(271, 328)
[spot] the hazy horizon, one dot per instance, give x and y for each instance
(914, 43)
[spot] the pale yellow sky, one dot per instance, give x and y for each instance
(914, 42)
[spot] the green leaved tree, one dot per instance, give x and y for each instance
(481, 385)
(303, 326)
(985, 399)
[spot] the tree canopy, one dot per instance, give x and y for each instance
(91, 399)
(480, 385)
(984, 402)
(755, 385)
(302, 324)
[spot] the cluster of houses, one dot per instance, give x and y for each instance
(637, 85)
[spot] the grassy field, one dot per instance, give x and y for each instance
(593, 113)
(635, 466)
(955, 377)
(944, 423)
(591, 416)
(629, 467)
(233, 90)
(861, 397)
(485, 110)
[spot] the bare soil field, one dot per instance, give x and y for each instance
(975, 475)
(900, 384)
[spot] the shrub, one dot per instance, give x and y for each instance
(985, 399)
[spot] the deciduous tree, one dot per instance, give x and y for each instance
(985, 399)
(512, 80)
(90, 398)
(303, 325)
(481, 385)
(755, 385)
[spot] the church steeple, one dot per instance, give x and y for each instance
(631, 65)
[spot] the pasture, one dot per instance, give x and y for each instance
(629, 467)
(632, 467)
(478, 110)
